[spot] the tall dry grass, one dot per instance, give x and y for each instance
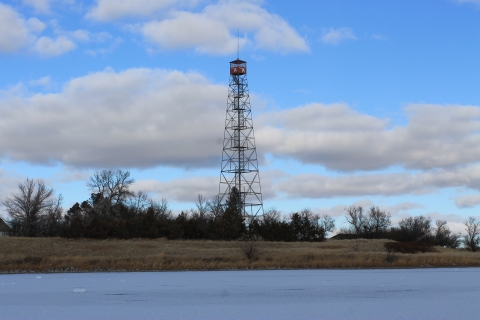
(63, 255)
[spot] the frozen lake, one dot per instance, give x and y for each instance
(290, 294)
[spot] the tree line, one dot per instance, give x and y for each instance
(376, 224)
(115, 211)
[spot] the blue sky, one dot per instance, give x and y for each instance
(354, 102)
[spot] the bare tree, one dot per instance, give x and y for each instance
(161, 209)
(444, 237)
(472, 238)
(327, 223)
(202, 205)
(51, 220)
(372, 224)
(272, 215)
(112, 185)
(215, 206)
(356, 218)
(31, 204)
(308, 214)
(139, 203)
(378, 221)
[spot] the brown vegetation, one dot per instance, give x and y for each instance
(409, 247)
(64, 255)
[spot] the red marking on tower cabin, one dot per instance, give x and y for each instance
(238, 70)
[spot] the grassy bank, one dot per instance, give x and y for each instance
(62, 255)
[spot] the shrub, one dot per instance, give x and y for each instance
(415, 229)
(409, 247)
(249, 245)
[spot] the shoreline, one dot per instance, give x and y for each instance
(13, 272)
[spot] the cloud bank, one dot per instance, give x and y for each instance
(18, 34)
(339, 138)
(214, 30)
(136, 118)
(383, 184)
(163, 24)
(177, 24)
(15, 31)
(109, 10)
(145, 118)
(142, 118)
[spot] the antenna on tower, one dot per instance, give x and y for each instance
(238, 43)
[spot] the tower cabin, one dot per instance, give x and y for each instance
(238, 67)
(238, 72)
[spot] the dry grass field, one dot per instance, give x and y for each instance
(64, 255)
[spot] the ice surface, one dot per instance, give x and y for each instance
(292, 294)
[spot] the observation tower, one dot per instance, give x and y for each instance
(239, 171)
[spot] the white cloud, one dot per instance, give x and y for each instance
(187, 189)
(46, 46)
(16, 34)
(80, 35)
(85, 36)
(468, 201)
(107, 10)
(44, 6)
(181, 190)
(383, 184)
(135, 118)
(41, 82)
(335, 36)
(67, 175)
(338, 211)
(191, 30)
(39, 5)
(337, 137)
(105, 50)
(14, 30)
(214, 30)
(8, 184)
(336, 117)
(35, 25)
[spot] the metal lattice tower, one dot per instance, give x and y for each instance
(239, 158)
